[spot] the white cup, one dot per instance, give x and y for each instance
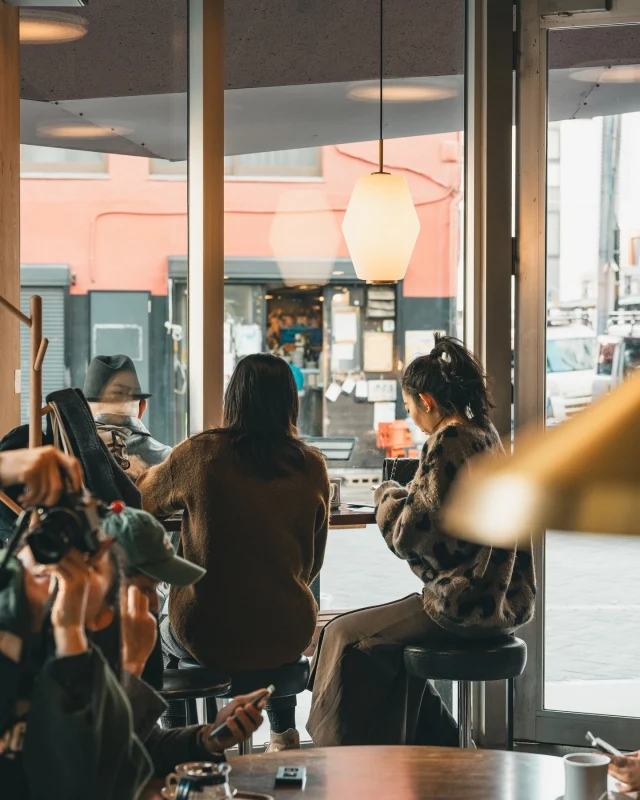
(585, 776)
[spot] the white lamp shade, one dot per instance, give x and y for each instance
(381, 227)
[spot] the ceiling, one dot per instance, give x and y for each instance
(291, 68)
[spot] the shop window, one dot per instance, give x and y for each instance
(163, 168)
(56, 162)
(302, 163)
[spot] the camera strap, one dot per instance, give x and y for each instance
(12, 546)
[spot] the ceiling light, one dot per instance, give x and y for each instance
(337, 272)
(620, 73)
(50, 27)
(81, 130)
(406, 92)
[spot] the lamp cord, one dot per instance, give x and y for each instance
(381, 143)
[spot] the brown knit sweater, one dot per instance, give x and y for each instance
(469, 589)
(262, 543)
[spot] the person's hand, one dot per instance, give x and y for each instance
(38, 585)
(39, 469)
(139, 629)
(69, 610)
(626, 770)
(243, 720)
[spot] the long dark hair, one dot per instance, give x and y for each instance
(261, 417)
(455, 379)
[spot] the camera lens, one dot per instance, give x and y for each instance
(48, 547)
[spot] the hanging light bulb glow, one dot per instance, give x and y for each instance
(381, 227)
(381, 224)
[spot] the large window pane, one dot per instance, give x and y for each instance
(108, 255)
(592, 345)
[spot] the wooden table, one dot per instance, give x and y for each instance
(345, 516)
(404, 773)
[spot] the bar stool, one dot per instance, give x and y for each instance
(289, 680)
(467, 661)
(191, 685)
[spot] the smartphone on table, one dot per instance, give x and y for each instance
(223, 730)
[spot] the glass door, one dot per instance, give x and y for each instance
(584, 662)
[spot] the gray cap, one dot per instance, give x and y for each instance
(148, 549)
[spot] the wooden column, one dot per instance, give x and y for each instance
(206, 213)
(9, 215)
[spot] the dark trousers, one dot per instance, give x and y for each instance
(280, 710)
(360, 685)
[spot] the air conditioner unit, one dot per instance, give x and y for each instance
(47, 3)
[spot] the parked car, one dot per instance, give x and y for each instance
(618, 352)
(571, 362)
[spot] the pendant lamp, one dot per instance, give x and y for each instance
(381, 225)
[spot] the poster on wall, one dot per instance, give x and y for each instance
(345, 325)
(383, 391)
(383, 412)
(378, 352)
(247, 339)
(419, 343)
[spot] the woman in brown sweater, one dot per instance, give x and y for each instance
(256, 514)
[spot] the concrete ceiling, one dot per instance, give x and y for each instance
(290, 69)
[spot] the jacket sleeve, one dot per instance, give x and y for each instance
(160, 493)
(166, 748)
(322, 525)
(408, 518)
(79, 708)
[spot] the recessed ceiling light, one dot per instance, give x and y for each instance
(620, 73)
(50, 27)
(405, 92)
(82, 130)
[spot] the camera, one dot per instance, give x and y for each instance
(74, 522)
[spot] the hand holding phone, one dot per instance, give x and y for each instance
(601, 745)
(223, 731)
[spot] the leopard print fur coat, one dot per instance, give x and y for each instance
(469, 589)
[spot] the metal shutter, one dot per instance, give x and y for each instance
(54, 375)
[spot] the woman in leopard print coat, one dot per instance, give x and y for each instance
(359, 682)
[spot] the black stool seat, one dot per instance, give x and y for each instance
(468, 660)
(289, 679)
(181, 684)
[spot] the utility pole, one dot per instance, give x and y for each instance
(607, 266)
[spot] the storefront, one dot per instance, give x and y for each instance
(346, 342)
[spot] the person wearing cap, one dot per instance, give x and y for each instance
(117, 404)
(150, 559)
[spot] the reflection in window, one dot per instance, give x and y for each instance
(35, 160)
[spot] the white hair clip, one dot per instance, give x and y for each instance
(445, 357)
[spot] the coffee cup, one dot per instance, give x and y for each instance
(335, 486)
(585, 776)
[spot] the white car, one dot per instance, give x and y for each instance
(571, 362)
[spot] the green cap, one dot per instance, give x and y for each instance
(148, 549)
